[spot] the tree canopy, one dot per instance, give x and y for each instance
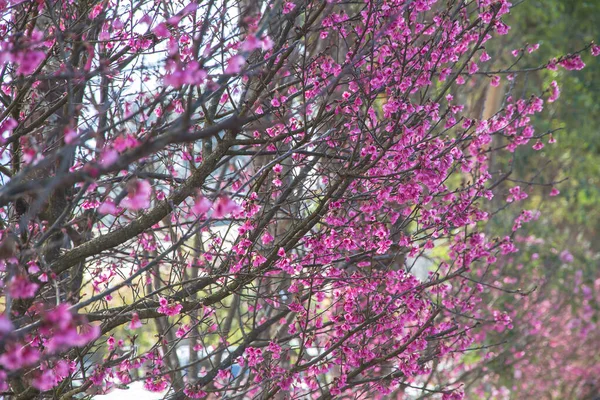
(298, 199)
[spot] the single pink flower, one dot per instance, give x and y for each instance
(554, 92)
(251, 43)
(138, 195)
(267, 238)
(201, 205)
(70, 135)
(108, 157)
(225, 206)
(108, 207)
(135, 322)
(566, 256)
(235, 64)
(161, 31)
(288, 7)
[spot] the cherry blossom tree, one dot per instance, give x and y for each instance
(251, 199)
(549, 351)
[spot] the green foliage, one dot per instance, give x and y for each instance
(560, 26)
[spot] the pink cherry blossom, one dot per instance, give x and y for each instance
(18, 356)
(194, 393)
(108, 207)
(138, 195)
(251, 43)
(22, 288)
(44, 380)
(169, 309)
(108, 157)
(6, 325)
(554, 92)
(572, 63)
(224, 206)
(182, 331)
(161, 30)
(320, 199)
(516, 194)
(135, 322)
(201, 205)
(188, 74)
(566, 256)
(267, 238)
(288, 6)
(28, 61)
(235, 64)
(70, 135)
(156, 385)
(6, 127)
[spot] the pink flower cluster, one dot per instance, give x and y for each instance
(59, 330)
(222, 207)
(138, 195)
(167, 308)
